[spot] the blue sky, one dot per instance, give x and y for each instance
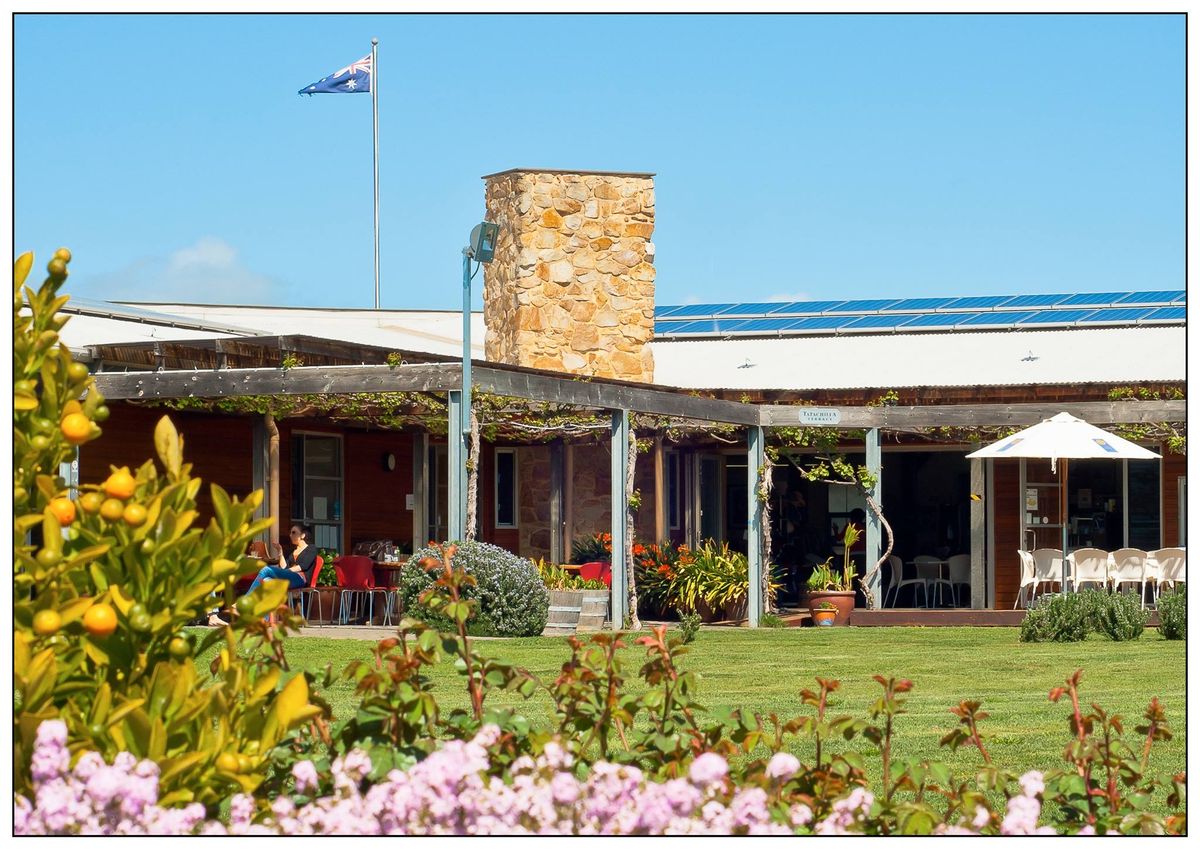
(797, 156)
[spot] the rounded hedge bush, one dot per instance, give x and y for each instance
(513, 601)
(1172, 614)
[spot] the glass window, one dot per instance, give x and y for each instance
(317, 486)
(1144, 531)
(506, 488)
(674, 489)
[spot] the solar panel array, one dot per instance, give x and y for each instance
(881, 315)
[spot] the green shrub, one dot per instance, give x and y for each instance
(689, 626)
(1121, 617)
(511, 595)
(1172, 614)
(1058, 618)
(770, 620)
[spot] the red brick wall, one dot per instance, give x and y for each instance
(219, 447)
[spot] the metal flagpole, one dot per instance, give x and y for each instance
(375, 134)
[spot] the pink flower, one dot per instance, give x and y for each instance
(982, 816)
(305, 776)
(708, 769)
(782, 766)
(1032, 783)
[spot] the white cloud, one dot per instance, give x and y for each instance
(208, 271)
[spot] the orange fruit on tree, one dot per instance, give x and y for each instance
(134, 515)
(46, 622)
(120, 484)
(63, 510)
(112, 509)
(90, 502)
(100, 620)
(76, 428)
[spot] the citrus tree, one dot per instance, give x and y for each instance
(105, 578)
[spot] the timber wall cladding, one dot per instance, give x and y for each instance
(1006, 485)
(220, 449)
(376, 498)
(1174, 467)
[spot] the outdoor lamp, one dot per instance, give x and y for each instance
(482, 246)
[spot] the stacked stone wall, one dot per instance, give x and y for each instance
(571, 287)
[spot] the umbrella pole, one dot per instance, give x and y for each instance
(1062, 517)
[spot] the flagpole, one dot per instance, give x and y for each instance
(375, 136)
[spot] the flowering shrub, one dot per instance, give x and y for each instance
(513, 601)
(452, 792)
(1172, 614)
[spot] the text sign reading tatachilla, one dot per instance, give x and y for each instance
(819, 416)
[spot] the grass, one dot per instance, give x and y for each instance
(764, 670)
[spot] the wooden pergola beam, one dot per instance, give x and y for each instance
(315, 380)
(985, 415)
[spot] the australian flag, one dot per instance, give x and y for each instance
(349, 80)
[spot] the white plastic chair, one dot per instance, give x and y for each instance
(929, 570)
(1089, 566)
(1129, 567)
(1028, 580)
(901, 582)
(1047, 567)
(960, 576)
(894, 567)
(1169, 567)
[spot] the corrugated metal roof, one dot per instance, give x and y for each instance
(962, 358)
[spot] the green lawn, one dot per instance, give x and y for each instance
(764, 670)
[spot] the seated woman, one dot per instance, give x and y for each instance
(296, 568)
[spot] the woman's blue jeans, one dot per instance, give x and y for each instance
(295, 579)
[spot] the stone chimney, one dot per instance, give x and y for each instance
(571, 287)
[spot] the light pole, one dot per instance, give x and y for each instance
(481, 249)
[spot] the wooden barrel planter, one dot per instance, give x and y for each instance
(576, 611)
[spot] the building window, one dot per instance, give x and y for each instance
(506, 488)
(317, 486)
(674, 490)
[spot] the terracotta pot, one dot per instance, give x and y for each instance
(843, 601)
(707, 614)
(824, 616)
(736, 609)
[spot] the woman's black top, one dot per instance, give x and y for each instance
(307, 561)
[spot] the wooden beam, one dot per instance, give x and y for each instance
(316, 380)
(983, 415)
(611, 396)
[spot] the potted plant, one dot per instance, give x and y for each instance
(824, 613)
(714, 582)
(576, 604)
(837, 588)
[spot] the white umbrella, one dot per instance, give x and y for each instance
(1064, 437)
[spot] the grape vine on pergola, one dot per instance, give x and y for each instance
(536, 406)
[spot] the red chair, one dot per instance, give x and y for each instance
(597, 570)
(298, 595)
(356, 577)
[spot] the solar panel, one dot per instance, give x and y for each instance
(978, 302)
(1167, 314)
(917, 304)
(1116, 315)
(877, 321)
(746, 309)
(803, 307)
(663, 312)
(699, 309)
(992, 318)
(1055, 317)
(820, 322)
(1090, 299)
(1035, 300)
(863, 306)
(754, 324)
(939, 319)
(1153, 298)
(705, 326)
